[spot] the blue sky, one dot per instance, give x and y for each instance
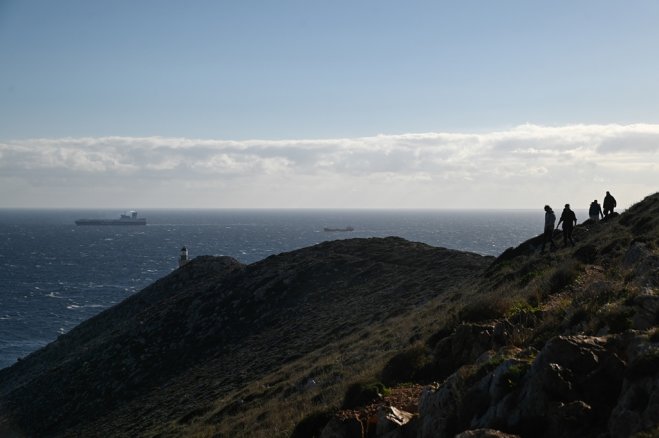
(324, 103)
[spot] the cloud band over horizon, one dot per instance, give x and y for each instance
(521, 167)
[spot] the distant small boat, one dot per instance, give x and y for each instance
(338, 229)
(129, 218)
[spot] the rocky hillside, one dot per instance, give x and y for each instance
(220, 348)
(368, 338)
(557, 344)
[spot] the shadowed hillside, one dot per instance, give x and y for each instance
(554, 344)
(191, 347)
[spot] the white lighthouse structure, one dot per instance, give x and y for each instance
(183, 258)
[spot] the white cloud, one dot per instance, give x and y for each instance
(520, 167)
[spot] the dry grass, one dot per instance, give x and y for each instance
(316, 382)
(570, 296)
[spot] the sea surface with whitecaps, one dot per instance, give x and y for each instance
(54, 274)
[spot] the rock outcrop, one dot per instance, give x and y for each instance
(568, 389)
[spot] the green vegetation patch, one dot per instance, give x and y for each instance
(413, 364)
(520, 307)
(472, 373)
(485, 308)
(514, 375)
(563, 276)
(617, 317)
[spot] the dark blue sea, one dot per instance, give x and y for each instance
(54, 274)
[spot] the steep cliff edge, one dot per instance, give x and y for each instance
(182, 349)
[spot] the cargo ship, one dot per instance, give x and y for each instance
(338, 229)
(129, 218)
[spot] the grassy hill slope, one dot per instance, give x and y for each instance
(558, 343)
(220, 347)
(561, 343)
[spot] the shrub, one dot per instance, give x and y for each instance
(362, 393)
(618, 318)
(643, 225)
(521, 308)
(470, 373)
(441, 334)
(616, 246)
(312, 425)
(586, 254)
(473, 373)
(643, 366)
(577, 316)
(523, 314)
(562, 277)
(514, 374)
(485, 308)
(413, 364)
(534, 299)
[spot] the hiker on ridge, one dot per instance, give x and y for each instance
(548, 235)
(609, 204)
(569, 220)
(595, 211)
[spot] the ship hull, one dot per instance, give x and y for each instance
(334, 230)
(111, 222)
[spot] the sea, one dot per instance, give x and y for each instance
(54, 274)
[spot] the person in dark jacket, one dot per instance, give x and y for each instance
(595, 211)
(548, 235)
(609, 204)
(569, 220)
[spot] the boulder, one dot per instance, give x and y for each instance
(637, 252)
(389, 419)
(637, 407)
(644, 264)
(438, 408)
(571, 420)
(470, 341)
(568, 390)
(572, 377)
(646, 313)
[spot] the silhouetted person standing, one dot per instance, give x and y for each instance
(595, 211)
(609, 204)
(548, 235)
(569, 220)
